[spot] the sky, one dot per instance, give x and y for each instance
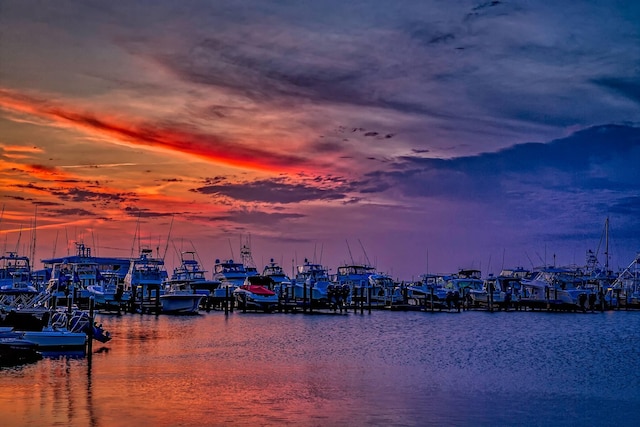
(418, 136)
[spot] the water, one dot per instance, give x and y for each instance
(383, 368)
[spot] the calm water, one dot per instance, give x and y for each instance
(384, 368)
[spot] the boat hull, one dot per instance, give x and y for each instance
(180, 303)
(56, 339)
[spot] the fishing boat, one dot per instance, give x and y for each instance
(366, 285)
(190, 276)
(144, 280)
(497, 291)
(256, 293)
(230, 275)
(15, 271)
(556, 288)
(429, 292)
(108, 292)
(275, 271)
(311, 283)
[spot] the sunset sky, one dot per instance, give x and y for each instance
(431, 135)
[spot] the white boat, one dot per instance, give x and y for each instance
(311, 283)
(176, 300)
(496, 292)
(144, 279)
(63, 331)
(256, 294)
(15, 271)
(556, 288)
(190, 276)
(108, 292)
(429, 291)
(58, 339)
(274, 271)
(231, 275)
(71, 277)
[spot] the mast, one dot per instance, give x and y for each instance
(349, 249)
(33, 240)
(606, 245)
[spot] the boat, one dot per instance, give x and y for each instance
(144, 279)
(17, 351)
(256, 293)
(311, 283)
(366, 285)
(108, 292)
(190, 276)
(180, 299)
(62, 332)
(627, 283)
(275, 271)
(460, 286)
(71, 277)
(557, 288)
(15, 271)
(497, 292)
(230, 275)
(429, 292)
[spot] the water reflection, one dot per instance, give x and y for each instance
(378, 369)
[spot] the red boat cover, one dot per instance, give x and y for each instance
(258, 290)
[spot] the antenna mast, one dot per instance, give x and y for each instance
(365, 253)
(349, 249)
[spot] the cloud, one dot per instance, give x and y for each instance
(573, 180)
(271, 191)
(628, 88)
(166, 136)
(255, 217)
(69, 212)
(145, 213)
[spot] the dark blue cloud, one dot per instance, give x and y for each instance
(271, 191)
(602, 157)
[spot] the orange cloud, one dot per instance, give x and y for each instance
(205, 146)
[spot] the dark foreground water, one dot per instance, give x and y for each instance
(384, 368)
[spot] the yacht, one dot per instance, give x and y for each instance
(231, 275)
(190, 276)
(556, 288)
(108, 292)
(311, 282)
(256, 294)
(144, 279)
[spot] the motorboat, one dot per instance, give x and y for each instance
(556, 288)
(429, 291)
(15, 271)
(496, 291)
(145, 278)
(256, 294)
(311, 283)
(108, 292)
(231, 275)
(190, 276)
(179, 297)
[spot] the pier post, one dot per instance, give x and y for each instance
(90, 330)
(490, 297)
(304, 296)
(369, 297)
(226, 300)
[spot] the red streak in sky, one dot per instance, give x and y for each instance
(208, 147)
